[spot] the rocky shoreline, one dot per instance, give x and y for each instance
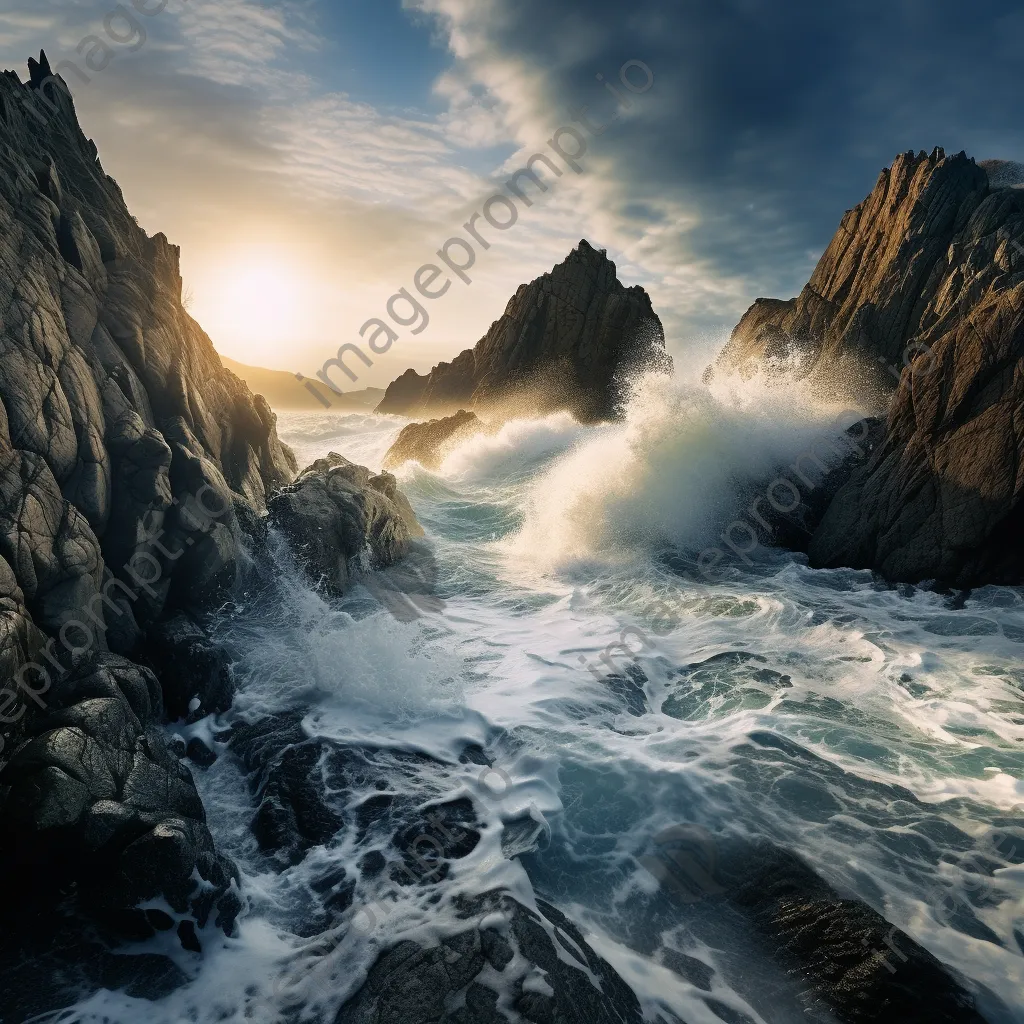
(138, 479)
(136, 475)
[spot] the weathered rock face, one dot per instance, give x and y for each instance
(130, 462)
(797, 949)
(125, 446)
(927, 274)
(429, 443)
(96, 805)
(853, 962)
(336, 512)
(564, 342)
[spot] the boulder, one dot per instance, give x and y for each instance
(308, 789)
(793, 946)
(195, 673)
(337, 513)
(567, 341)
(535, 963)
(94, 798)
(429, 443)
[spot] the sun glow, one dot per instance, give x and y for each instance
(257, 305)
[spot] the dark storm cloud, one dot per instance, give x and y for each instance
(770, 119)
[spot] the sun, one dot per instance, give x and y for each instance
(263, 299)
(256, 304)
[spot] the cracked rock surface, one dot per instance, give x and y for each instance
(130, 459)
(337, 512)
(917, 309)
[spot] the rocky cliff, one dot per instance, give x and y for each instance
(565, 341)
(917, 309)
(135, 472)
(131, 465)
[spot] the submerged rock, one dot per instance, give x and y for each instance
(852, 962)
(534, 964)
(790, 944)
(566, 341)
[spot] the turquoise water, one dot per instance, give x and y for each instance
(878, 731)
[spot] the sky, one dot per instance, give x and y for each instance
(310, 155)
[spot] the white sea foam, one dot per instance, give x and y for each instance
(676, 470)
(863, 726)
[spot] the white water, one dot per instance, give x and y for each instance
(550, 540)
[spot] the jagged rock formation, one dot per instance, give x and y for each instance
(797, 949)
(131, 462)
(921, 291)
(336, 512)
(135, 472)
(124, 441)
(429, 443)
(566, 341)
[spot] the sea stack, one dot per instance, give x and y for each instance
(567, 341)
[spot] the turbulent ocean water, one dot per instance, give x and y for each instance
(564, 632)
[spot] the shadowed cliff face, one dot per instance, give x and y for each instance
(131, 465)
(917, 307)
(565, 342)
(116, 409)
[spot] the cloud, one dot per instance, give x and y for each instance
(766, 122)
(721, 183)
(220, 134)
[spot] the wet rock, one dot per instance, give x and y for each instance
(287, 775)
(566, 341)
(538, 963)
(429, 443)
(338, 512)
(192, 669)
(527, 834)
(107, 385)
(788, 942)
(199, 753)
(310, 789)
(49, 960)
(852, 960)
(695, 971)
(141, 975)
(440, 834)
(126, 454)
(188, 938)
(95, 798)
(293, 815)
